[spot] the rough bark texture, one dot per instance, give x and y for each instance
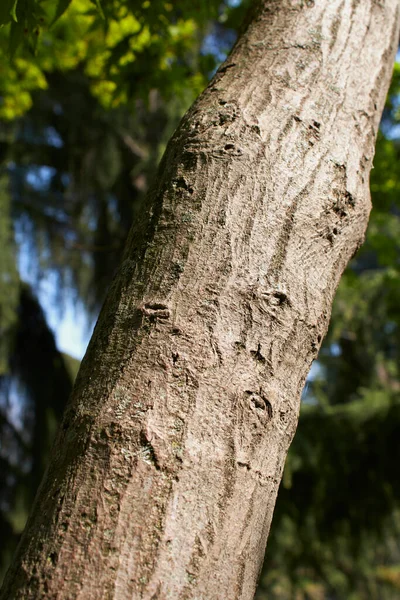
(165, 472)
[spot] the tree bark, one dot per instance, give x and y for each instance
(164, 475)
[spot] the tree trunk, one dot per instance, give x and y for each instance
(165, 472)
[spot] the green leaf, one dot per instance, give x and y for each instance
(61, 8)
(13, 11)
(33, 43)
(16, 36)
(97, 4)
(7, 11)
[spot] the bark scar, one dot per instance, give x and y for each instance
(155, 310)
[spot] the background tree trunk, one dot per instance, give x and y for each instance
(166, 468)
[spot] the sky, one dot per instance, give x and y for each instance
(70, 322)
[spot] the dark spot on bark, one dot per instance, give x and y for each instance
(181, 183)
(155, 306)
(256, 354)
(260, 404)
(349, 199)
(156, 310)
(148, 452)
(339, 209)
(331, 236)
(55, 494)
(319, 338)
(283, 418)
(343, 202)
(339, 166)
(224, 118)
(67, 420)
(175, 357)
(267, 407)
(226, 67)
(104, 435)
(240, 346)
(222, 102)
(242, 464)
(53, 558)
(280, 298)
(189, 160)
(314, 129)
(177, 270)
(229, 147)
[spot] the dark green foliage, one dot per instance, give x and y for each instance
(38, 374)
(335, 522)
(62, 6)
(9, 287)
(8, 11)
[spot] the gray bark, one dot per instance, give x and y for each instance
(164, 475)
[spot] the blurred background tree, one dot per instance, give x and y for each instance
(90, 92)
